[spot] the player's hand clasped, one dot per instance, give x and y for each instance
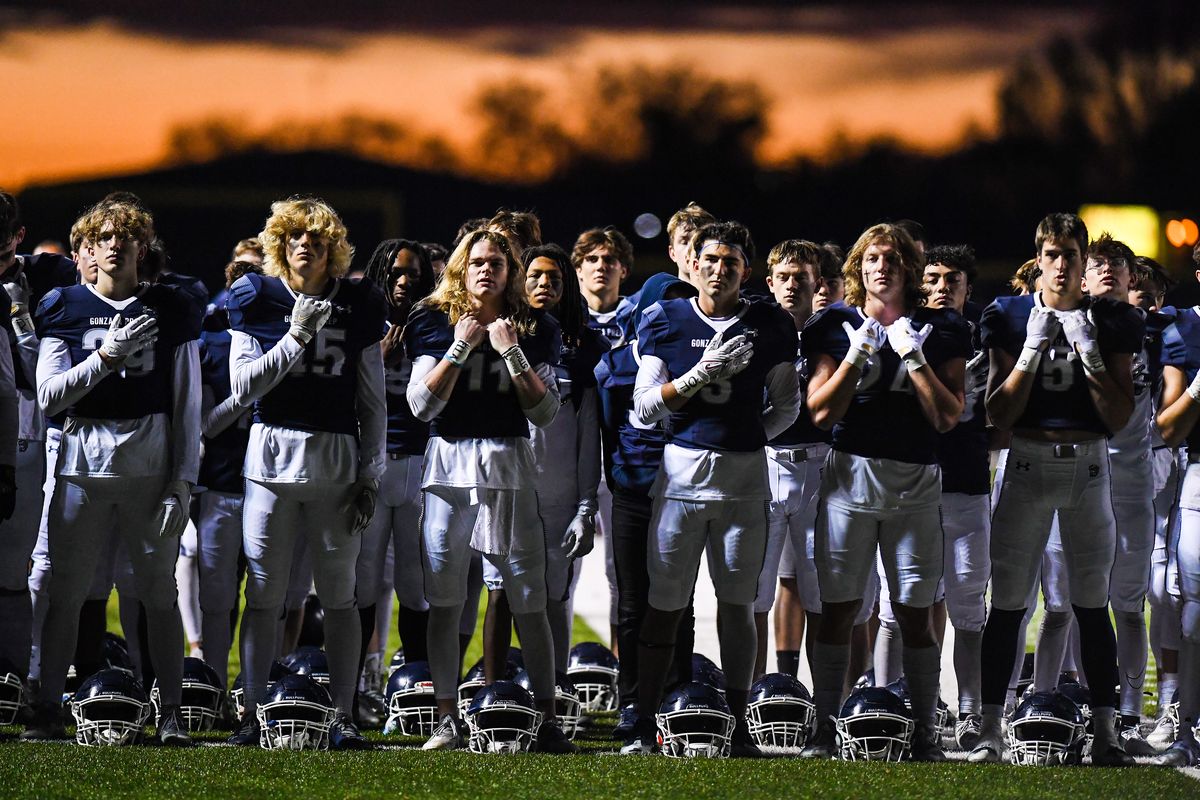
(1081, 333)
(308, 317)
(865, 340)
(503, 337)
(908, 342)
(468, 333)
(173, 515)
(721, 359)
(126, 339)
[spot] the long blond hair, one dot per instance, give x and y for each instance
(450, 295)
(910, 260)
(304, 214)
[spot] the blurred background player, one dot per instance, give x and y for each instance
(305, 351)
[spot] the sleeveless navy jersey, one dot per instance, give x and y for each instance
(962, 452)
(636, 448)
(1060, 399)
(406, 435)
(884, 419)
(1181, 349)
(483, 404)
(802, 431)
(80, 318)
(726, 414)
(221, 467)
(320, 392)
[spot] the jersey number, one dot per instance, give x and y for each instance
(717, 393)
(476, 370)
(873, 371)
(326, 358)
(137, 365)
(1058, 374)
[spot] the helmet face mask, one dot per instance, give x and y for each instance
(110, 710)
(412, 706)
(874, 726)
(694, 722)
(502, 719)
(568, 709)
(12, 692)
(592, 667)
(780, 711)
(295, 715)
(200, 702)
(1047, 729)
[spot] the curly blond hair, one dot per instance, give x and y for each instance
(304, 214)
(911, 263)
(450, 295)
(128, 221)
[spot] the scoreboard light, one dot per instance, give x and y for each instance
(1137, 226)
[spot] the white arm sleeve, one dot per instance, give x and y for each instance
(783, 399)
(587, 432)
(648, 401)
(59, 385)
(185, 413)
(253, 373)
(27, 351)
(372, 414)
(543, 413)
(9, 418)
(217, 418)
(424, 404)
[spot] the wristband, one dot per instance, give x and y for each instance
(856, 357)
(1193, 390)
(914, 361)
(1093, 362)
(688, 384)
(458, 352)
(22, 324)
(1029, 360)
(515, 360)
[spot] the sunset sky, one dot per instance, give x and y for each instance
(95, 96)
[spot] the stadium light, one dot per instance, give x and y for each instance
(1137, 226)
(1182, 232)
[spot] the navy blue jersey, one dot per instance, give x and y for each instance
(80, 318)
(802, 431)
(45, 271)
(610, 327)
(575, 371)
(221, 467)
(406, 435)
(483, 404)
(885, 419)
(192, 287)
(636, 449)
(962, 452)
(1060, 399)
(1152, 346)
(726, 414)
(320, 392)
(1181, 349)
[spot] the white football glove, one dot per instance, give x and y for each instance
(18, 295)
(720, 360)
(1041, 328)
(908, 342)
(308, 317)
(124, 340)
(865, 340)
(360, 501)
(1081, 333)
(173, 515)
(580, 536)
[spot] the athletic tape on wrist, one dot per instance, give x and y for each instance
(857, 357)
(1092, 361)
(1193, 389)
(914, 361)
(688, 384)
(458, 352)
(1029, 360)
(515, 360)
(22, 324)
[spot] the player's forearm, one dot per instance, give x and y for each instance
(1007, 402)
(60, 385)
(1175, 422)
(783, 400)
(1114, 404)
(587, 445)
(27, 356)
(220, 417)
(253, 373)
(941, 407)
(9, 412)
(185, 413)
(829, 400)
(654, 395)
(371, 405)
(537, 393)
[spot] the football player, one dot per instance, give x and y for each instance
(966, 493)
(305, 350)
(603, 258)
(704, 363)
(886, 374)
(401, 267)
(831, 288)
(123, 361)
(226, 428)
(1177, 423)
(635, 455)
(682, 225)
(475, 344)
(1060, 378)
